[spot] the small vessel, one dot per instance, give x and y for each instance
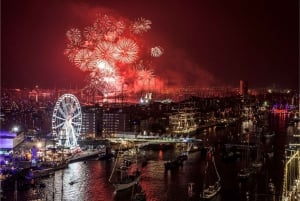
(46, 169)
(173, 164)
(141, 196)
(269, 134)
(176, 163)
(246, 171)
(211, 187)
(124, 175)
(105, 155)
(271, 186)
(39, 172)
(138, 194)
(258, 161)
(56, 165)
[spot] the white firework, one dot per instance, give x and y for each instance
(120, 27)
(83, 58)
(74, 35)
(90, 33)
(104, 23)
(111, 36)
(127, 51)
(157, 51)
(140, 26)
(145, 74)
(105, 81)
(140, 65)
(107, 51)
(105, 68)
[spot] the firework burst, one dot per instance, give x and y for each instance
(145, 74)
(90, 33)
(157, 51)
(74, 36)
(127, 50)
(107, 49)
(71, 53)
(140, 26)
(105, 68)
(82, 59)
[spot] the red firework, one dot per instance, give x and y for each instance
(140, 26)
(127, 50)
(106, 51)
(82, 58)
(74, 35)
(90, 33)
(107, 45)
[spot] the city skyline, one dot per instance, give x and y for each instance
(204, 43)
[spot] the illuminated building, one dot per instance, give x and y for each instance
(110, 123)
(88, 128)
(113, 121)
(9, 140)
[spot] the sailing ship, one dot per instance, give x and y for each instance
(211, 187)
(138, 194)
(183, 122)
(246, 170)
(125, 174)
(258, 161)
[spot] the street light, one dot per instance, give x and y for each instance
(39, 145)
(15, 129)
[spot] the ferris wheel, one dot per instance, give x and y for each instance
(67, 120)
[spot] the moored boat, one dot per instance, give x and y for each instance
(212, 190)
(127, 181)
(140, 196)
(124, 174)
(43, 172)
(245, 173)
(211, 187)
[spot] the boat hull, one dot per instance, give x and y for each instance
(208, 193)
(127, 185)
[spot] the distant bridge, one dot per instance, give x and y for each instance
(141, 142)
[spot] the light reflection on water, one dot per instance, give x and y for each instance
(88, 181)
(83, 181)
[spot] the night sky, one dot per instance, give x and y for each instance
(206, 43)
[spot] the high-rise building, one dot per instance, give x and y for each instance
(88, 128)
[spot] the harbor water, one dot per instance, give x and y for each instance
(88, 180)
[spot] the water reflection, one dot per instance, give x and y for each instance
(88, 181)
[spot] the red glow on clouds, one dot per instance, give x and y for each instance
(180, 70)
